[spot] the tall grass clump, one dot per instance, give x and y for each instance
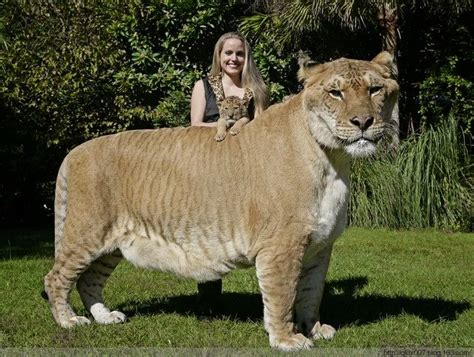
(375, 194)
(424, 185)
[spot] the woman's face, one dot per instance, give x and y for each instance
(232, 57)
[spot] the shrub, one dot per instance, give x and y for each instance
(55, 92)
(447, 91)
(75, 70)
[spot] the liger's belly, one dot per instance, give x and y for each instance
(201, 258)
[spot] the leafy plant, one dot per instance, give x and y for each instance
(75, 70)
(274, 67)
(446, 91)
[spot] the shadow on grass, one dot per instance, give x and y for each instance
(340, 307)
(19, 243)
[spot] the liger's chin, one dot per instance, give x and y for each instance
(361, 148)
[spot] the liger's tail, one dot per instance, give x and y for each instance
(60, 205)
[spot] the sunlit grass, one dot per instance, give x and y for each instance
(385, 288)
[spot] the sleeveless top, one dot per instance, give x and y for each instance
(214, 92)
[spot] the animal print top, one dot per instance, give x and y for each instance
(214, 92)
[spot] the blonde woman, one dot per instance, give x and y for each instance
(233, 73)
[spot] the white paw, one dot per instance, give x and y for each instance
(76, 321)
(220, 137)
(113, 317)
(322, 331)
(292, 343)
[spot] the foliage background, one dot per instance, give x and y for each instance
(70, 71)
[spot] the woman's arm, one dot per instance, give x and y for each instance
(198, 105)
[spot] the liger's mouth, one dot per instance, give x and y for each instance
(361, 139)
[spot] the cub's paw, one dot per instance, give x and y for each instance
(220, 137)
(292, 343)
(234, 131)
(75, 321)
(322, 331)
(113, 317)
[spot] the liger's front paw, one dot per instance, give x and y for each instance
(322, 331)
(292, 343)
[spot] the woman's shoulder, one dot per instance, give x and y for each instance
(199, 86)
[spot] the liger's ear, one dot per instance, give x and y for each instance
(308, 67)
(386, 60)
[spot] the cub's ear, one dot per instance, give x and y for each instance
(308, 67)
(386, 60)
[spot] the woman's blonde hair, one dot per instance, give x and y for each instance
(251, 77)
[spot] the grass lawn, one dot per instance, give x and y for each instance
(384, 289)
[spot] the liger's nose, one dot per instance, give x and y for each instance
(363, 123)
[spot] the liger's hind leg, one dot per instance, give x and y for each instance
(90, 286)
(58, 283)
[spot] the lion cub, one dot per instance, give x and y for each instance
(233, 112)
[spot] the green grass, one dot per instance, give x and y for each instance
(385, 288)
(428, 183)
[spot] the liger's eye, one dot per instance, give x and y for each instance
(375, 90)
(335, 93)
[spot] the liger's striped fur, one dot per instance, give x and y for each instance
(274, 196)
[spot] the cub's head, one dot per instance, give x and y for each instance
(231, 105)
(349, 103)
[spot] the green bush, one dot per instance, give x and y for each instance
(165, 48)
(55, 92)
(447, 91)
(278, 69)
(75, 70)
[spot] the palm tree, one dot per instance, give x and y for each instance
(289, 20)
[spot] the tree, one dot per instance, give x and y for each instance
(290, 20)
